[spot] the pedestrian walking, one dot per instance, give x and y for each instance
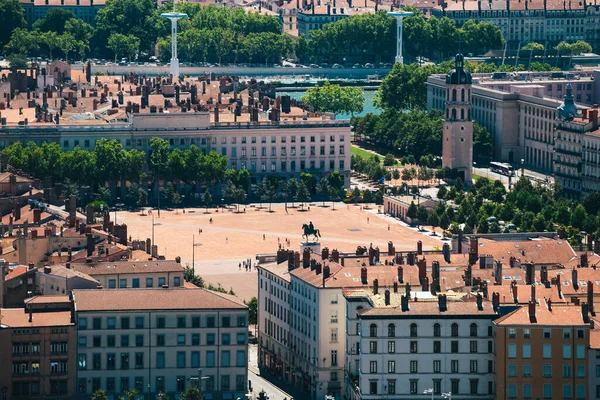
(388, 227)
(264, 237)
(240, 266)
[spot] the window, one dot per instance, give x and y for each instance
(413, 346)
(391, 347)
(414, 386)
(527, 370)
(181, 359)
(373, 347)
(225, 339)
(391, 366)
(82, 324)
(111, 360)
(526, 333)
(413, 330)
(82, 362)
(567, 372)
(241, 338)
(180, 340)
(473, 366)
(122, 283)
(527, 350)
(512, 333)
(567, 333)
(111, 323)
(210, 358)
(547, 333)
(373, 387)
(181, 321)
(177, 281)
(454, 330)
(414, 367)
(454, 366)
(226, 322)
(139, 340)
(580, 370)
(547, 370)
(454, 346)
(436, 330)
(512, 350)
(333, 358)
(567, 390)
(135, 283)
(373, 330)
(160, 359)
(240, 358)
(124, 360)
(195, 322)
(139, 360)
(437, 366)
(124, 322)
(149, 282)
(580, 333)
(473, 346)
(97, 323)
(391, 330)
(527, 391)
(373, 367)
(512, 390)
(580, 351)
(566, 351)
(473, 330)
(547, 350)
(512, 370)
(210, 339)
(437, 346)
(547, 390)
(160, 340)
(82, 343)
(124, 340)
(139, 322)
(580, 391)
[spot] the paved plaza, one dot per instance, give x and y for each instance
(233, 237)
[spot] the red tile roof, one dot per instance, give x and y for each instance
(563, 315)
(18, 318)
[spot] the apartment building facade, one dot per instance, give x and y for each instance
(160, 341)
(542, 352)
(287, 148)
(519, 113)
(134, 274)
(402, 350)
(82, 9)
(577, 151)
(38, 351)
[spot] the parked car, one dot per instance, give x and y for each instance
(369, 65)
(357, 66)
(336, 66)
(314, 66)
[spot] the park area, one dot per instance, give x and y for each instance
(234, 237)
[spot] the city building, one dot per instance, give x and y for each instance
(134, 274)
(82, 9)
(546, 22)
(37, 344)
(457, 135)
(542, 352)
(401, 347)
(320, 12)
(519, 110)
(577, 145)
(160, 341)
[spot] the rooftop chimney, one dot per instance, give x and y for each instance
(590, 296)
(532, 311)
(376, 286)
(387, 297)
(325, 253)
(473, 250)
(90, 244)
(435, 271)
(391, 249)
(400, 274)
(514, 289)
(533, 297)
(442, 302)
(421, 263)
(498, 272)
(549, 304)
(479, 301)
(306, 258)
(583, 260)
(495, 300)
(585, 309)
(363, 275)
(326, 272)
(407, 290)
(419, 247)
(544, 275)
(395, 287)
(574, 278)
(529, 273)
(404, 302)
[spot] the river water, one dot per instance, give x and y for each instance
(368, 107)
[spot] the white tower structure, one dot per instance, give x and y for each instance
(174, 17)
(399, 15)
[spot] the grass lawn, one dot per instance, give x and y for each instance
(357, 151)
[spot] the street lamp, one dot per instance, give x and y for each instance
(428, 391)
(447, 395)
(194, 244)
(522, 167)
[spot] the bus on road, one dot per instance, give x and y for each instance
(502, 168)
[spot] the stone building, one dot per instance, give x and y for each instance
(457, 137)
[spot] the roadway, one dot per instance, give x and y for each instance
(331, 73)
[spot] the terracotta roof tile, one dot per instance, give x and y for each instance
(128, 267)
(18, 318)
(564, 315)
(153, 299)
(432, 308)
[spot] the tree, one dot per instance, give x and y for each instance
(129, 394)
(421, 214)
(581, 47)
(192, 392)
(50, 41)
(591, 203)
(389, 160)
(334, 194)
(303, 194)
(22, 42)
(54, 20)
(483, 146)
(335, 99)
(367, 196)
(578, 217)
(324, 189)
(206, 199)
(126, 45)
(269, 192)
(396, 174)
(483, 226)
(188, 276)
(434, 220)
(290, 188)
(99, 394)
(11, 18)
(412, 211)
(252, 311)
(142, 200)
(533, 46)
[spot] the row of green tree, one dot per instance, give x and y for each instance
(488, 208)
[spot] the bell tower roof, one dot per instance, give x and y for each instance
(459, 75)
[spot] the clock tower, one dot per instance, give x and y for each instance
(457, 146)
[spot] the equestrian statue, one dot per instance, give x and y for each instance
(310, 230)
